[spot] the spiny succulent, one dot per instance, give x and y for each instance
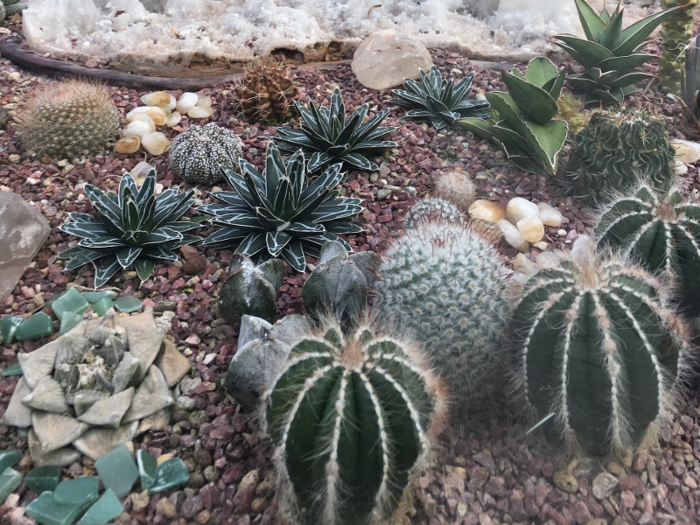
(448, 285)
(132, 227)
(676, 33)
(331, 137)
(619, 147)
(266, 90)
(435, 208)
(597, 350)
(457, 188)
(72, 119)
(690, 86)
(279, 212)
(197, 154)
(437, 101)
(350, 415)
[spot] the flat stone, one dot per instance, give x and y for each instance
(128, 304)
(109, 412)
(8, 328)
(23, 230)
(93, 297)
(61, 457)
(70, 320)
(8, 458)
(45, 509)
(48, 396)
(55, 431)
(512, 236)
(385, 59)
(37, 326)
(42, 479)
(107, 508)
(172, 363)
(144, 340)
(98, 442)
(71, 301)
(38, 364)
(152, 395)
(118, 471)
(17, 413)
(81, 491)
(487, 211)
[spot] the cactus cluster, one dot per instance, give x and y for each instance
(619, 147)
(597, 351)
(70, 120)
(350, 415)
(447, 284)
(266, 90)
(435, 208)
(676, 32)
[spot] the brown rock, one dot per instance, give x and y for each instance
(128, 145)
(164, 507)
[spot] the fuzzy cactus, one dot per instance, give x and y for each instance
(660, 231)
(447, 284)
(435, 208)
(676, 33)
(266, 90)
(350, 415)
(339, 284)
(597, 351)
(616, 148)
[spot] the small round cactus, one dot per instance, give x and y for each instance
(197, 154)
(448, 284)
(596, 351)
(435, 208)
(266, 91)
(350, 415)
(456, 187)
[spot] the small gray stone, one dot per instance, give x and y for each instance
(603, 485)
(185, 403)
(188, 384)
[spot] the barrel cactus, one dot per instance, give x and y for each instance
(616, 148)
(596, 351)
(447, 284)
(676, 33)
(432, 208)
(662, 232)
(197, 154)
(266, 91)
(350, 415)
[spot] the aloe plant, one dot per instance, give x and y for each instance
(610, 54)
(521, 119)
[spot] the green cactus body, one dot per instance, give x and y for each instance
(662, 232)
(597, 349)
(447, 284)
(616, 148)
(351, 415)
(676, 33)
(435, 208)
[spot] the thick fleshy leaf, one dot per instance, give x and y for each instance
(547, 140)
(101, 242)
(106, 270)
(537, 105)
(555, 85)
(588, 54)
(507, 109)
(83, 217)
(540, 70)
(254, 243)
(318, 160)
(634, 35)
(226, 236)
(147, 189)
(274, 169)
(610, 36)
(144, 267)
(276, 241)
(160, 252)
(89, 230)
(592, 24)
(127, 256)
(293, 253)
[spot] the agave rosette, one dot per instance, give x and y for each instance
(131, 227)
(279, 212)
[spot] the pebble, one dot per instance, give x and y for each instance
(165, 507)
(186, 102)
(14, 158)
(603, 485)
(512, 236)
(519, 208)
(200, 112)
(157, 98)
(128, 145)
(549, 215)
(174, 119)
(138, 128)
(487, 211)
(204, 102)
(140, 500)
(531, 229)
(681, 169)
(155, 143)
(157, 115)
(383, 194)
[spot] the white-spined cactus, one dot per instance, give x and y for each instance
(447, 284)
(435, 208)
(351, 415)
(597, 351)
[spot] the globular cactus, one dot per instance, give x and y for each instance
(448, 285)
(676, 33)
(616, 148)
(340, 283)
(11, 7)
(662, 232)
(70, 120)
(597, 351)
(266, 90)
(351, 416)
(435, 208)
(457, 188)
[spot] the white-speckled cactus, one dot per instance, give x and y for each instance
(435, 208)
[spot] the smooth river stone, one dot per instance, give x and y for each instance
(157, 115)
(128, 304)
(200, 112)
(71, 301)
(144, 340)
(48, 396)
(487, 211)
(156, 98)
(109, 412)
(107, 508)
(519, 208)
(55, 431)
(186, 102)
(148, 467)
(98, 442)
(531, 228)
(23, 230)
(512, 236)
(138, 128)
(118, 471)
(128, 145)
(38, 364)
(549, 215)
(18, 414)
(172, 363)
(155, 143)
(152, 395)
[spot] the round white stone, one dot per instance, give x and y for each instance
(174, 119)
(531, 229)
(204, 102)
(157, 114)
(138, 128)
(187, 101)
(157, 98)
(512, 236)
(200, 112)
(549, 215)
(155, 143)
(519, 208)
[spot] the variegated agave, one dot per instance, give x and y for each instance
(331, 137)
(131, 227)
(277, 212)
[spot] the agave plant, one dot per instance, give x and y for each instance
(330, 137)
(690, 86)
(439, 101)
(610, 54)
(278, 212)
(131, 227)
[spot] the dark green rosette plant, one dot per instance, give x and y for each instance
(131, 227)
(279, 212)
(329, 136)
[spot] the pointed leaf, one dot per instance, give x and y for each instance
(537, 105)
(548, 140)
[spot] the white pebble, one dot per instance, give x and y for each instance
(187, 101)
(173, 103)
(531, 229)
(200, 112)
(549, 215)
(204, 102)
(155, 143)
(158, 98)
(681, 169)
(173, 120)
(513, 237)
(157, 114)
(562, 233)
(519, 208)
(138, 128)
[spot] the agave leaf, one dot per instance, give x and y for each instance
(635, 35)
(80, 257)
(291, 139)
(147, 212)
(130, 212)
(527, 164)
(182, 204)
(334, 211)
(293, 253)
(160, 236)
(106, 270)
(583, 83)
(540, 70)
(239, 184)
(338, 107)
(183, 226)
(252, 244)
(372, 125)
(480, 128)
(240, 220)
(318, 160)
(547, 140)
(127, 256)
(225, 236)
(327, 180)
(83, 217)
(463, 89)
(126, 183)
(144, 267)
(506, 134)
(147, 190)
(360, 162)
(427, 80)
(274, 170)
(592, 24)
(343, 227)
(188, 239)
(507, 109)
(410, 98)
(588, 54)
(555, 85)
(629, 79)
(309, 117)
(160, 252)
(605, 14)
(346, 133)
(611, 35)
(109, 207)
(625, 63)
(304, 229)
(268, 220)
(415, 87)
(89, 230)
(276, 241)
(323, 120)
(101, 242)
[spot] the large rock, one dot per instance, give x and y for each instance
(385, 59)
(23, 229)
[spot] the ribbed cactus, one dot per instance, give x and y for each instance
(660, 231)
(597, 349)
(448, 285)
(350, 415)
(11, 7)
(676, 33)
(435, 208)
(616, 148)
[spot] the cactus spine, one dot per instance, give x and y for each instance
(596, 347)
(435, 208)
(350, 416)
(662, 232)
(676, 33)
(448, 284)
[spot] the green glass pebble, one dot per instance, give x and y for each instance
(170, 474)
(43, 479)
(47, 511)
(10, 479)
(12, 370)
(70, 320)
(128, 304)
(93, 297)
(38, 325)
(105, 509)
(148, 466)
(70, 302)
(118, 471)
(8, 458)
(8, 327)
(102, 306)
(82, 491)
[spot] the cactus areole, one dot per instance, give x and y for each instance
(597, 349)
(351, 416)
